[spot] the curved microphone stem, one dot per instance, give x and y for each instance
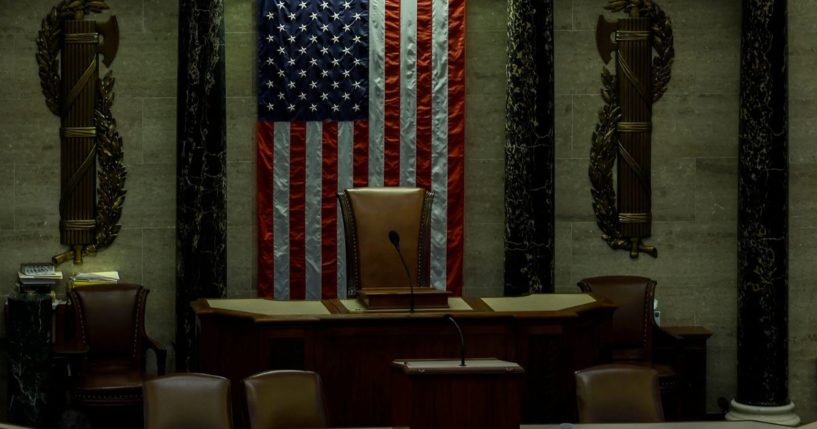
(394, 237)
(462, 338)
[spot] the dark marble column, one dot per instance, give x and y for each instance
(31, 383)
(529, 149)
(201, 182)
(763, 171)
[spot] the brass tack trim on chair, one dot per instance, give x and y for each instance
(78, 132)
(82, 38)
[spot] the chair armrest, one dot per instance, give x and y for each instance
(161, 354)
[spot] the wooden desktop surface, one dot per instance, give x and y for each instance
(353, 350)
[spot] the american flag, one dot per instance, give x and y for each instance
(355, 93)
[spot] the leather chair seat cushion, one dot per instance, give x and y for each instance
(110, 379)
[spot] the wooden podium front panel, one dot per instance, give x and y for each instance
(353, 352)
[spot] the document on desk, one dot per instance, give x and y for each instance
(270, 307)
(539, 302)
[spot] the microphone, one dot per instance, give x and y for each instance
(394, 237)
(462, 338)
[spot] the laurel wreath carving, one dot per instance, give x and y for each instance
(605, 138)
(602, 159)
(111, 170)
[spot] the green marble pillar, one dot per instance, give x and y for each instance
(30, 382)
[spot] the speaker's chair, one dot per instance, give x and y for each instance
(369, 214)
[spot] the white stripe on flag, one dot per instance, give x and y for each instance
(346, 142)
(280, 197)
(313, 203)
(408, 92)
(439, 142)
(377, 89)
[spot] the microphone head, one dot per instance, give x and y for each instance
(394, 237)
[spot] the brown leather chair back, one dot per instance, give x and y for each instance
(632, 325)
(618, 393)
(368, 215)
(187, 401)
(285, 399)
(111, 321)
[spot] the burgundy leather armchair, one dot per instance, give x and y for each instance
(110, 333)
(633, 327)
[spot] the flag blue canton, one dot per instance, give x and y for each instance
(313, 60)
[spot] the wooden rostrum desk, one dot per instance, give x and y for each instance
(549, 335)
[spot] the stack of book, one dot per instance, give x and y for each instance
(99, 278)
(38, 278)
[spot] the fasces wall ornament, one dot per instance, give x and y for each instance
(91, 147)
(643, 44)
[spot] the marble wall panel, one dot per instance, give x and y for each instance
(803, 128)
(241, 191)
(240, 63)
(576, 62)
(29, 133)
(242, 254)
(802, 60)
(484, 194)
(716, 185)
(484, 50)
(158, 131)
(36, 196)
(695, 125)
(151, 198)
(673, 187)
(161, 16)
(146, 65)
(241, 120)
(573, 199)
(239, 16)
(7, 194)
(802, 183)
(128, 114)
(486, 15)
(485, 128)
(482, 266)
(563, 241)
(563, 123)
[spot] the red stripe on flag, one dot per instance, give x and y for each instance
(361, 154)
(456, 142)
(297, 209)
(391, 132)
(423, 132)
(329, 212)
(265, 132)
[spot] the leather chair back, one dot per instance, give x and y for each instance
(632, 324)
(285, 399)
(618, 393)
(187, 401)
(369, 214)
(111, 321)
